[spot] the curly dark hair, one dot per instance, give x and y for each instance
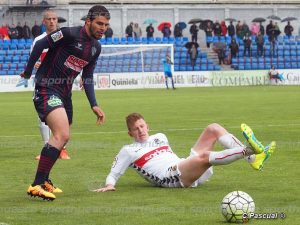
(98, 10)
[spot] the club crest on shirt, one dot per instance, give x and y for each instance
(57, 36)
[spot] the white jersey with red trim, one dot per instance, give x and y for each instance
(151, 159)
(35, 40)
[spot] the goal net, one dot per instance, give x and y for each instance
(133, 58)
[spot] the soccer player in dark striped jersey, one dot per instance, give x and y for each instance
(71, 50)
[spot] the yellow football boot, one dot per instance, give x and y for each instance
(40, 192)
(250, 137)
(51, 188)
(261, 158)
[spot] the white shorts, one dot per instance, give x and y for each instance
(173, 175)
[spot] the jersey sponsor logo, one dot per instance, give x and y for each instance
(54, 101)
(57, 36)
(150, 155)
(75, 63)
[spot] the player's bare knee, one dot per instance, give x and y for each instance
(62, 137)
(215, 129)
(203, 157)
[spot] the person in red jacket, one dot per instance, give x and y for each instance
(223, 28)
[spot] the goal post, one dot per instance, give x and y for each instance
(134, 58)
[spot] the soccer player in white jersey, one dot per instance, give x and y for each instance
(51, 24)
(153, 158)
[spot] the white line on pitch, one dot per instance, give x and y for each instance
(169, 129)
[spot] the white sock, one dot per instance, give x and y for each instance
(45, 131)
(227, 156)
(230, 141)
(250, 158)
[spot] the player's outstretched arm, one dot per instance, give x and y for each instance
(100, 114)
(108, 187)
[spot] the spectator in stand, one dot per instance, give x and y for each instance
(261, 29)
(274, 74)
(150, 30)
(13, 32)
(272, 40)
(36, 30)
(231, 30)
(245, 30)
(288, 29)
(137, 31)
(4, 32)
(166, 31)
(29, 2)
(20, 30)
(247, 44)
(234, 48)
(26, 31)
(129, 30)
(194, 32)
(238, 29)
(217, 29)
(193, 51)
(254, 29)
(177, 31)
(209, 32)
(260, 44)
(277, 30)
(221, 55)
(108, 33)
(223, 29)
(269, 27)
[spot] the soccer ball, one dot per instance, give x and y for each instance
(236, 207)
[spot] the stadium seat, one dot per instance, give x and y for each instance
(5, 66)
(137, 40)
(27, 46)
(158, 40)
(13, 46)
(16, 59)
(123, 41)
(144, 40)
(10, 52)
(150, 40)
(109, 41)
(116, 40)
(103, 41)
(11, 72)
(171, 40)
(29, 40)
(7, 59)
(165, 40)
(129, 40)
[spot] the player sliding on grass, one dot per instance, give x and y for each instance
(153, 158)
(71, 50)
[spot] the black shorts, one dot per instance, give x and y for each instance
(46, 100)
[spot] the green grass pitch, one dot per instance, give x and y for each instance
(273, 112)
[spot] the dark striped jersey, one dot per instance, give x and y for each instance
(71, 51)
